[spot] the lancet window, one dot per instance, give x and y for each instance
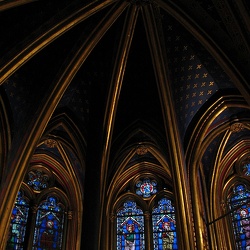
(146, 206)
(239, 205)
(130, 227)
(18, 224)
(38, 216)
(164, 225)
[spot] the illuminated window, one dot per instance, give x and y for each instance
(239, 204)
(130, 227)
(38, 180)
(49, 225)
(18, 222)
(146, 205)
(246, 169)
(164, 225)
(146, 187)
(38, 219)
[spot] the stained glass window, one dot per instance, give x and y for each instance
(18, 223)
(164, 225)
(49, 225)
(239, 204)
(130, 227)
(246, 169)
(38, 180)
(146, 187)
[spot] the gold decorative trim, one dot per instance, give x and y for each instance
(70, 215)
(141, 150)
(50, 143)
(236, 127)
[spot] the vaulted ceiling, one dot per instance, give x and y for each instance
(107, 61)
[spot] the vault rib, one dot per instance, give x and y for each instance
(171, 127)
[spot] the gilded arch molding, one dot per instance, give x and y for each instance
(200, 139)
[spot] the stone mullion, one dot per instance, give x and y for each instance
(30, 227)
(148, 230)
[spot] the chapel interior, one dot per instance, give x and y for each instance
(119, 115)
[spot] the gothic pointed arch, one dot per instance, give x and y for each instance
(141, 179)
(56, 174)
(221, 127)
(52, 178)
(124, 124)
(65, 125)
(136, 135)
(231, 183)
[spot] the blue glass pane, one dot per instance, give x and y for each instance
(164, 226)
(146, 187)
(49, 225)
(239, 203)
(130, 227)
(18, 223)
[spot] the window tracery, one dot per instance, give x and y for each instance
(164, 225)
(239, 205)
(238, 200)
(49, 224)
(146, 206)
(130, 227)
(146, 187)
(38, 216)
(18, 222)
(38, 179)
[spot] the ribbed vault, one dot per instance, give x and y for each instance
(105, 77)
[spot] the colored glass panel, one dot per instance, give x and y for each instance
(38, 180)
(130, 227)
(246, 169)
(146, 187)
(164, 226)
(239, 204)
(49, 225)
(18, 223)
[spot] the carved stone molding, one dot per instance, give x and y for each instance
(141, 150)
(70, 215)
(236, 127)
(50, 143)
